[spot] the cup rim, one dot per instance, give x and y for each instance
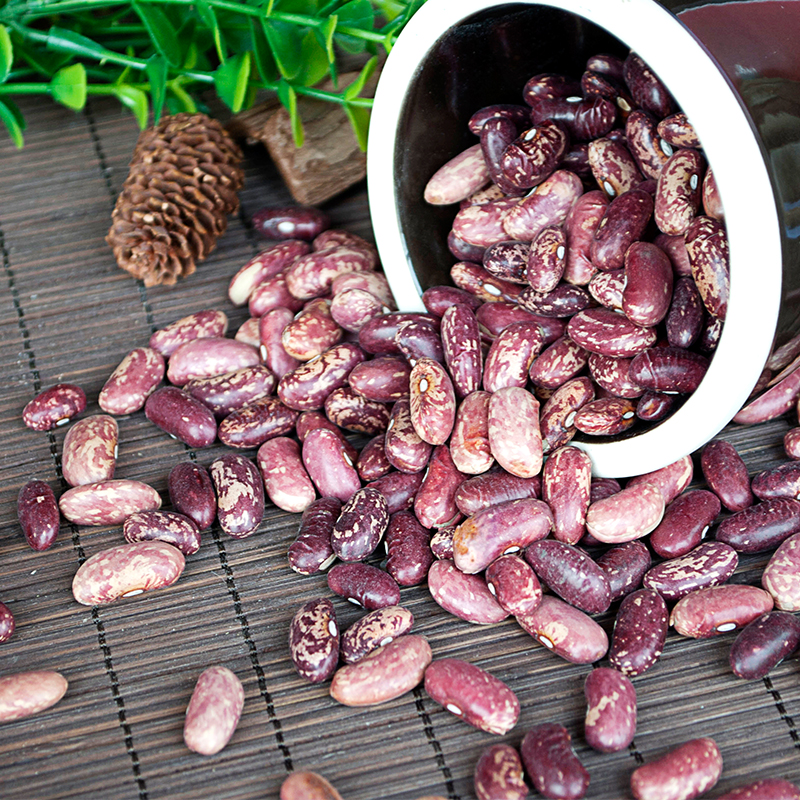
(733, 149)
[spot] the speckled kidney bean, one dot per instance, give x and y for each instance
(612, 374)
(602, 488)
(710, 336)
(684, 319)
(23, 694)
(579, 228)
(486, 287)
(547, 205)
(473, 694)
(516, 447)
(464, 596)
(265, 265)
(546, 259)
(681, 774)
(404, 448)
(437, 299)
(384, 674)
(376, 629)
(377, 336)
(761, 527)
(498, 774)
(6, 623)
(609, 333)
(213, 711)
(270, 330)
(763, 643)
(383, 379)
(777, 400)
(270, 294)
(418, 338)
(201, 324)
(307, 786)
(311, 332)
(338, 237)
(566, 480)
(780, 577)
(352, 308)
(240, 494)
(364, 585)
(107, 502)
(461, 342)
(286, 481)
(551, 763)
(314, 640)
(640, 631)
(726, 475)
(708, 564)
(566, 631)
(717, 609)
(648, 284)
(768, 789)
(646, 88)
(290, 222)
(37, 512)
(360, 525)
(311, 420)
(493, 318)
(248, 332)
(54, 406)
(780, 481)
(181, 416)
(624, 566)
(678, 193)
(132, 382)
(654, 406)
(558, 363)
(678, 131)
(126, 570)
(399, 489)
(507, 260)
(191, 493)
(492, 488)
(511, 355)
(458, 178)
(208, 357)
(432, 405)
(532, 157)
(226, 393)
(624, 222)
(352, 412)
(626, 515)
(675, 248)
(503, 528)
(329, 466)
(791, 444)
(564, 301)
(514, 583)
(435, 504)
(441, 542)
(644, 142)
(613, 166)
(557, 418)
(518, 114)
(671, 479)
(164, 526)
(373, 282)
(669, 369)
(372, 462)
(311, 275)
(605, 416)
(585, 119)
(571, 574)
(610, 722)
(469, 441)
(482, 225)
(311, 551)
(685, 523)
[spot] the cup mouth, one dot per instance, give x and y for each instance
(733, 149)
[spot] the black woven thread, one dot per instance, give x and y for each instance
(434, 743)
(778, 700)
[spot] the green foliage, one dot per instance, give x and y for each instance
(160, 55)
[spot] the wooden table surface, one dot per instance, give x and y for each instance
(68, 314)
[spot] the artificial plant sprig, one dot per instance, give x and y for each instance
(156, 55)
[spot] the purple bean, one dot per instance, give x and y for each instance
(314, 640)
(37, 512)
(551, 763)
(54, 406)
(640, 631)
(610, 722)
(364, 585)
(311, 551)
(376, 629)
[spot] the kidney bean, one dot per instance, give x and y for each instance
(603, 487)
(566, 481)
(286, 481)
(585, 119)
(416, 339)
(314, 640)
(482, 225)
(378, 335)
(648, 284)
(712, 202)
(437, 299)
(266, 264)
(640, 630)
(717, 609)
(726, 475)
(54, 407)
(784, 355)
(567, 631)
(768, 789)
(256, 423)
(384, 674)
(684, 320)
(511, 354)
(337, 237)
(710, 335)
(558, 363)
(307, 786)
(306, 387)
(549, 84)
(311, 275)
(503, 528)
(364, 585)
(328, 465)
(492, 488)
(213, 711)
(435, 504)
(132, 382)
(780, 481)
(579, 227)
(707, 247)
(441, 542)
(678, 194)
(546, 259)
(532, 157)
(780, 577)
(646, 88)
(607, 288)
(612, 374)
(626, 515)
(399, 489)
(375, 283)
(209, 357)
(678, 131)
(493, 318)
(383, 379)
(606, 416)
(791, 443)
(708, 564)
(557, 419)
(681, 774)
(191, 493)
(352, 412)
(311, 332)
(311, 551)
(518, 114)
(404, 448)
(610, 722)
(311, 420)
(126, 570)
(518, 447)
(685, 523)
(351, 308)
(547, 205)
(485, 286)
(551, 763)
(248, 332)
(473, 694)
(515, 585)
(671, 480)
(23, 694)
(360, 526)
(461, 343)
(231, 392)
(181, 416)
(603, 331)
(432, 406)
(376, 629)
(606, 64)
(507, 260)
(675, 248)
(164, 526)
(270, 332)
(776, 401)
(763, 643)
(240, 494)
(654, 406)
(6, 623)
(644, 142)
(498, 774)
(372, 462)
(564, 301)
(458, 178)
(761, 527)
(201, 324)
(571, 574)
(107, 502)
(469, 442)
(464, 596)
(37, 512)
(623, 222)
(613, 166)
(290, 222)
(624, 566)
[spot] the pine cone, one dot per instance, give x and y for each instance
(183, 182)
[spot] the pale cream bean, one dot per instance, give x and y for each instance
(213, 711)
(515, 438)
(626, 515)
(107, 502)
(23, 694)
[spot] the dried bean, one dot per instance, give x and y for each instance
(337, 237)
(613, 375)
(206, 358)
(383, 379)
(641, 133)
(791, 444)
(669, 369)
(461, 343)
(37, 512)
(602, 488)
(399, 489)
(372, 462)
(516, 447)
(507, 260)
(405, 450)
(707, 247)
(558, 363)
(442, 542)
(311, 420)
(360, 526)
(780, 481)
(763, 643)
(90, 450)
(376, 629)
(55, 406)
(679, 190)
(352, 308)
(458, 178)
(609, 333)
(364, 585)
(726, 475)
(532, 157)
(311, 551)
(613, 166)
(557, 419)
(640, 630)
(435, 504)
(213, 711)
(498, 774)
(708, 564)
(564, 301)
(654, 406)
(311, 332)
(482, 225)
(546, 260)
(626, 515)
(373, 282)
(437, 299)
(551, 763)
(605, 416)
(483, 284)
(164, 526)
(265, 265)
(718, 609)
(781, 578)
(776, 401)
(240, 494)
(623, 222)
(6, 623)
(547, 205)
(181, 416)
(248, 332)
(285, 479)
(378, 335)
(311, 275)
(685, 523)
(761, 527)
(469, 441)
(314, 640)
(191, 493)
(432, 401)
(610, 722)
(511, 355)
(768, 789)
(681, 774)
(416, 339)
(518, 114)
(329, 466)
(384, 674)
(290, 222)
(579, 228)
(648, 284)
(107, 502)
(625, 565)
(469, 692)
(515, 585)
(671, 479)
(126, 570)
(685, 317)
(201, 324)
(584, 119)
(464, 596)
(566, 481)
(492, 488)
(352, 412)
(307, 786)
(226, 393)
(23, 694)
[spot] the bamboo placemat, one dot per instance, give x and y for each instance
(67, 313)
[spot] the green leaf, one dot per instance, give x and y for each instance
(359, 120)
(230, 80)
(136, 100)
(187, 41)
(288, 97)
(265, 63)
(180, 100)
(307, 7)
(355, 14)
(354, 89)
(66, 41)
(12, 119)
(286, 43)
(68, 86)
(6, 53)
(161, 31)
(157, 71)
(327, 32)
(315, 61)
(209, 18)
